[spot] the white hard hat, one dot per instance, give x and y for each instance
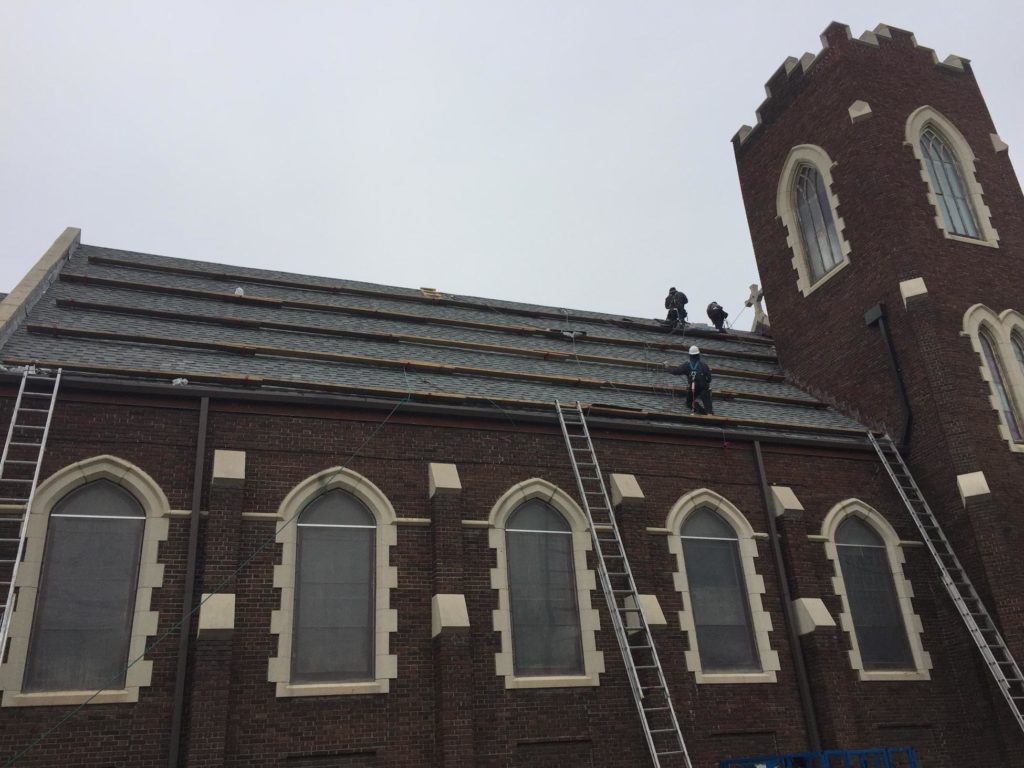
(694, 350)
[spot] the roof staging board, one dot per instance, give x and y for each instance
(139, 316)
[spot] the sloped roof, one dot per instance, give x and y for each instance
(142, 316)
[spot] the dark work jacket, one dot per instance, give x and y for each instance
(701, 373)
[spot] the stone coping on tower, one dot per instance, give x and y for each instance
(787, 81)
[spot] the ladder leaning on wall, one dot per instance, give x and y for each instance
(646, 678)
(984, 632)
(19, 474)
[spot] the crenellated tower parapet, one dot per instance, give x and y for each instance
(790, 79)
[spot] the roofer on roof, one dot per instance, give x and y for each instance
(717, 315)
(675, 303)
(699, 377)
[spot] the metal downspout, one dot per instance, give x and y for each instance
(190, 583)
(803, 686)
(877, 315)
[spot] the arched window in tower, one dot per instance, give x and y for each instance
(817, 226)
(871, 593)
(948, 184)
(82, 622)
(546, 633)
(999, 383)
(333, 631)
(721, 607)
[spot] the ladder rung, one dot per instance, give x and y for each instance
(27, 426)
(13, 499)
(15, 480)
(33, 410)
(33, 445)
(21, 461)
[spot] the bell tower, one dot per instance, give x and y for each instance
(888, 227)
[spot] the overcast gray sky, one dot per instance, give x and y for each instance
(568, 153)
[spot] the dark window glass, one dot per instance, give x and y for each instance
(871, 592)
(546, 636)
(817, 227)
(1018, 352)
(83, 613)
(947, 181)
(1000, 384)
(718, 594)
(333, 631)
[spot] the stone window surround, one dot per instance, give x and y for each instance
(904, 591)
(386, 618)
(151, 576)
(1001, 329)
(586, 582)
(922, 118)
(761, 620)
(785, 205)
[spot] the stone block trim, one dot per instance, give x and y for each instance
(755, 587)
(448, 612)
(386, 619)
(972, 485)
(216, 616)
(785, 503)
(586, 583)
(151, 576)
(811, 615)
(19, 301)
(228, 469)
(443, 478)
(912, 291)
(904, 591)
(624, 487)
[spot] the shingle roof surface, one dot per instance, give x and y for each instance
(167, 318)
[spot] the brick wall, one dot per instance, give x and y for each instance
(437, 715)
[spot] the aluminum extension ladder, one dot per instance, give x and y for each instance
(979, 623)
(646, 678)
(19, 474)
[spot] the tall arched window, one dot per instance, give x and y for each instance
(721, 607)
(81, 628)
(871, 594)
(948, 184)
(817, 226)
(546, 635)
(948, 170)
(333, 630)
(808, 207)
(335, 620)
(999, 383)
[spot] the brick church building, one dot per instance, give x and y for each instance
(305, 522)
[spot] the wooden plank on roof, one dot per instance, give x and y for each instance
(260, 301)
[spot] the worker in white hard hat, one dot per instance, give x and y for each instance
(698, 395)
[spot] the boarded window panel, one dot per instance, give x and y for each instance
(721, 608)
(546, 635)
(871, 592)
(333, 638)
(83, 615)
